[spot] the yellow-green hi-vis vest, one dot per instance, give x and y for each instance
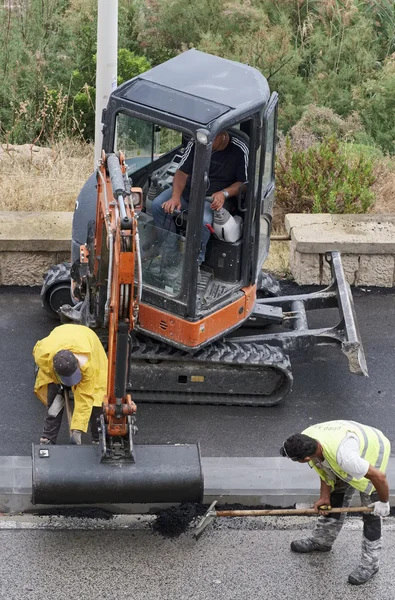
(374, 446)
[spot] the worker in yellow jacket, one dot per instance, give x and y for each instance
(71, 356)
(347, 456)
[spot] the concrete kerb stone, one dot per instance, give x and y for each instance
(350, 234)
(249, 481)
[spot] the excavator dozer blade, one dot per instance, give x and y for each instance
(75, 475)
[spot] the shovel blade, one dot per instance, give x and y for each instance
(75, 475)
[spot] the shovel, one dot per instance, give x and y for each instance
(212, 514)
(68, 408)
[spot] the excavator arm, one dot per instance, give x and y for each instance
(109, 281)
(116, 222)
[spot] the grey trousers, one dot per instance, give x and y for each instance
(329, 527)
(52, 424)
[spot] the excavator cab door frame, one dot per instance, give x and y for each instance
(265, 184)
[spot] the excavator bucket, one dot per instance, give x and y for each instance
(76, 475)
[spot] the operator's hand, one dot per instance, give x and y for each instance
(322, 502)
(171, 205)
(380, 509)
(218, 200)
(75, 437)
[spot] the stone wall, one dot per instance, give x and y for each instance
(30, 243)
(366, 243)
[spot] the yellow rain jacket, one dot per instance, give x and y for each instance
(92, 388)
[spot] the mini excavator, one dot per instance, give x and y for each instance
(217, 333)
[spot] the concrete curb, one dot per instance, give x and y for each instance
(248, 481)
(366, 243)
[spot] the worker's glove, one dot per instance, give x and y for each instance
(380, 509)
(75, 437)
(56, 405)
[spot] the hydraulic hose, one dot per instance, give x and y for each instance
(110, 238)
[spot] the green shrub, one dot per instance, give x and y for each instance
(323, 179)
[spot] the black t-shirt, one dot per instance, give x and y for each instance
(226, 166)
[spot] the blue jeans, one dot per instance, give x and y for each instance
(163, 220)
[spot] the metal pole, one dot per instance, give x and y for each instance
(106, 64)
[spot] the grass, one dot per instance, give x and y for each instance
(43, 179)
(277, 261)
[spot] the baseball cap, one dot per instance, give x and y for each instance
(67, 367)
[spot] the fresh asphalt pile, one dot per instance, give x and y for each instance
(176, 520)
(77, 512)
(172, 522)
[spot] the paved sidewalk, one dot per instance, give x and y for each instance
(238, 559)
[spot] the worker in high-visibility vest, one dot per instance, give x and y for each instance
(347, 456)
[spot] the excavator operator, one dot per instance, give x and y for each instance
(228, 170)
(71, 356)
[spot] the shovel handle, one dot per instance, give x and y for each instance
(68, 408)
(288, 511)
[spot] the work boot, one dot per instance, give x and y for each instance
(308, 545)
(369, 564)
(361, 575)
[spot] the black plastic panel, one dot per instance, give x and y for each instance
(174, 102)
(225, 259)
(75, 475)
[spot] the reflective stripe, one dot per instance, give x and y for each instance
(379, 460)
(365, 437)
(380, 457)
(349, 478)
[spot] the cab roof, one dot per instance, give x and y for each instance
(198, 87)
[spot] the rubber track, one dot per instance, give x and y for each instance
(223, 353)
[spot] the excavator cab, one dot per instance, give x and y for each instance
(154, 120)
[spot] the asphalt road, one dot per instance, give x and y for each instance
(323, 389)
(238, 560)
